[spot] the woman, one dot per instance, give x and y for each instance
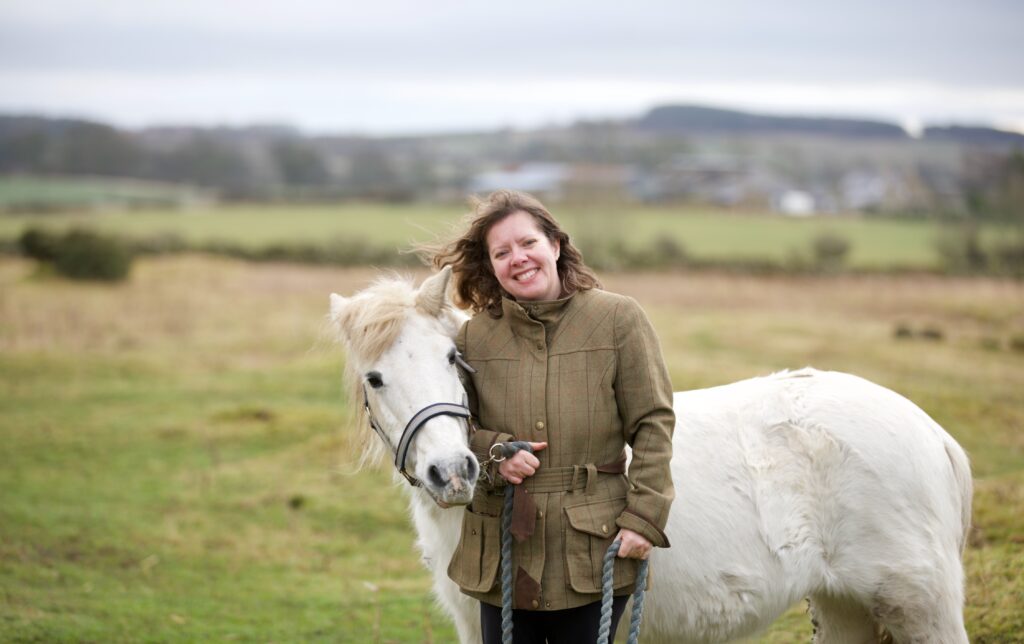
(577, 372)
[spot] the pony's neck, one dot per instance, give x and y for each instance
(437, 529)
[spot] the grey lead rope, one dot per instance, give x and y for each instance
(506, 567)
(507, 450)
(605, 627)
(604, 630)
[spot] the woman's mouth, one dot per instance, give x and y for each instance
(522, 277)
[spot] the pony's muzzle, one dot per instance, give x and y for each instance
(453, 480)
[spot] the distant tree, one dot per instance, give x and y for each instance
(205, 161)
(91, 148)
(77, 147)
(88, 255)
(24, 152)
(1011, 198)
(375, 176)
(39, 243)
(299, 163)
(830, 251)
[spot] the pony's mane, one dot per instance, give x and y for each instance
(369, 324)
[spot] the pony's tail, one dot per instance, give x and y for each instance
(965, 485)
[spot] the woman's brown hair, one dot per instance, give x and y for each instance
(476, 287)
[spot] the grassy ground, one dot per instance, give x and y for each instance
(174, 465)
(51, 193)
(874, 243)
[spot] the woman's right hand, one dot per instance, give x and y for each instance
(521, 465)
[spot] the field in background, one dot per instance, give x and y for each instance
(49, 194)
(704, 235)
(178, 463)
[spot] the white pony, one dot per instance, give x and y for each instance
(803, 484)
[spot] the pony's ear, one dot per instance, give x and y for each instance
(338, 305)
(432, 297)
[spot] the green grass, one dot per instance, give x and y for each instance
(178, 464)
(706, 235)
(256, 226)
(70, 192)
(874, 243)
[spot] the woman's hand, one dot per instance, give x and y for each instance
(521, 465)
(634, 545)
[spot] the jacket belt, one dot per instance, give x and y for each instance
(554, 479)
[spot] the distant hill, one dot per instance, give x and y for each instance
(696, 120)
(973, 135)
(692, 119)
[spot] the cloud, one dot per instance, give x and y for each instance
(389, 63)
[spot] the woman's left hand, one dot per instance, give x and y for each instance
(634, 545)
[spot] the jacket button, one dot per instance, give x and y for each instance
(604, 528)
(540, 424)
(535, 604)
(540, 514)
(547, 604)
(473, 531)
(540, 346)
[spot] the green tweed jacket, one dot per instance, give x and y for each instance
(585, 374)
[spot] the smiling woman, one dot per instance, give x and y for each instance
(556, 361)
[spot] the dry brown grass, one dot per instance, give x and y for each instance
(247, 345)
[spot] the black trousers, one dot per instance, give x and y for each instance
(571, 626)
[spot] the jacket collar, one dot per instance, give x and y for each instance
(523, 315)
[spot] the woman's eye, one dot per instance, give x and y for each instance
(374, 380)
(529, 242)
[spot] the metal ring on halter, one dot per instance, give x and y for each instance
(507, 450)
(500, 455)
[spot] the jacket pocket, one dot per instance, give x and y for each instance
(591, 530)
(474, 566)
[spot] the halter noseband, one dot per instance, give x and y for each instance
(415, 424)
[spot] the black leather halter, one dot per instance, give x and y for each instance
(418, 420)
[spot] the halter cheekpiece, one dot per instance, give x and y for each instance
(415, 424)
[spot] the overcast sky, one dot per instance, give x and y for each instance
(432, 65)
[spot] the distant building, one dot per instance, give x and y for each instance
(543, 180)
(600, 183)
(796, 203)
(863, 190)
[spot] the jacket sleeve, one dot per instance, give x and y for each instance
(643, 393)
(480, 440)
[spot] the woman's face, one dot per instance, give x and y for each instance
(523, 258)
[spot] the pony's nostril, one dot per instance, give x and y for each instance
(435, 476)
(471, 468)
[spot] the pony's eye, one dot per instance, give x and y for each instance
(374, 380)
(451, 357)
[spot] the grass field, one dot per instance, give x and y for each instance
(706, 235)
(50, 193)
(174, 447)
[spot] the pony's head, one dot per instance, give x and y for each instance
(402, 358)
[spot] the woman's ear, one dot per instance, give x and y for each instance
(558, 249)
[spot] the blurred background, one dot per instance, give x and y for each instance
(906, 112)
(183, 183)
